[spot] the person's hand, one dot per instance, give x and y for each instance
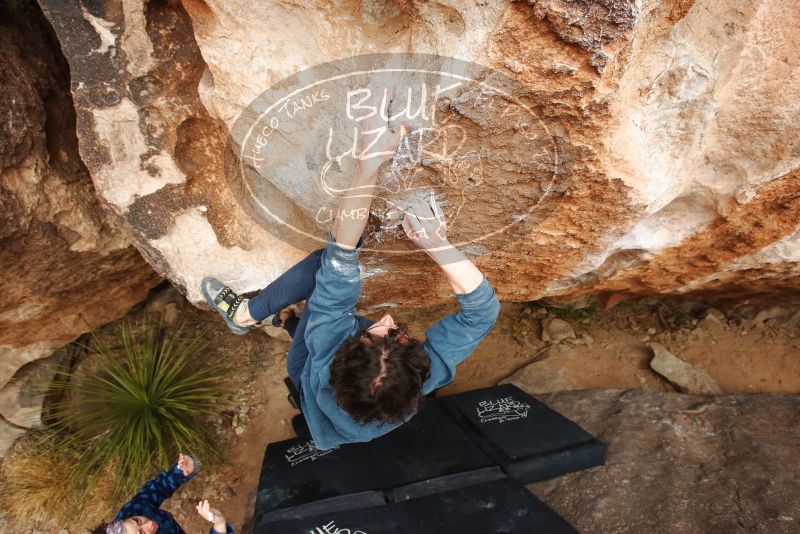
(212, 515)
(185, 464)
(425, 225)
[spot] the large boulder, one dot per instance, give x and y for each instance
(66, 266)
(672, 127)
(681, 463)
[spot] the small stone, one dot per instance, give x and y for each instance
(651, 331)
(555, 330)
(685, 376)
(239, 430)
(770, 313)
(587, 340)
(711, 322)
(713, 313)
(283, 422)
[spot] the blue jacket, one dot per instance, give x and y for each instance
(332, 319)
(148, 501)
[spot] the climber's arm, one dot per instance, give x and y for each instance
(453, 338)
(160, 488)
(462, 274)
(353, 210)
(381, 140)
(450, 340)
(331, 307)
(338, 279)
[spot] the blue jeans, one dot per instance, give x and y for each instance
(293, 286)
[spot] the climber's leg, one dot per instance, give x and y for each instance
(298, 352)
(287, 320)
(291, 287)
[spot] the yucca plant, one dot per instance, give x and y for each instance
(144, 402)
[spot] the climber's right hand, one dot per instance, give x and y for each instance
(425, 225)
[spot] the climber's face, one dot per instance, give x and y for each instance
(385, 329)
(382, 327)
(140, 524)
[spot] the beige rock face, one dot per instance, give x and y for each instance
(154, 153)
(674, 126)
(65, 268)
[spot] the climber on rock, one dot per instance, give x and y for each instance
(360, 379)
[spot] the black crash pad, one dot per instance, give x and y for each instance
(527, 439)
(299, 480)
(498, 506)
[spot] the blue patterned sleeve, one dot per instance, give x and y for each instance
(159, 489)
(228, 529)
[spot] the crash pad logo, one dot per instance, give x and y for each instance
(479, 147)
(331, 528)
(305, 452)
(502, 410)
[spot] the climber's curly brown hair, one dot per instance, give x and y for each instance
(380, 379)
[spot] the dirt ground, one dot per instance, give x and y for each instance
(742, 354)
(751, 349)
